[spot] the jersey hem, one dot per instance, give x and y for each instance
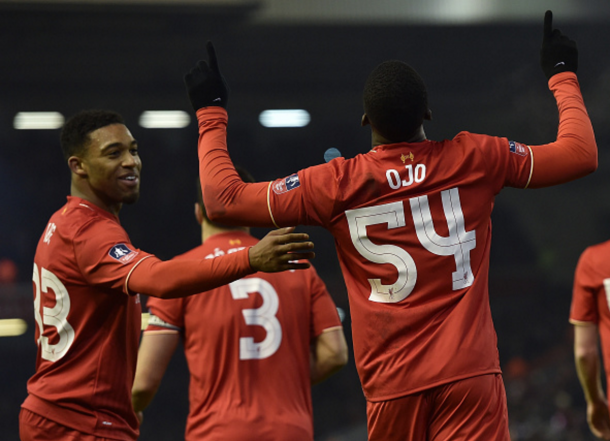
(431, 385)
(51, 411)
(582, 322)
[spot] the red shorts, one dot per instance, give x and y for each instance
(33, 427)
(473, 409)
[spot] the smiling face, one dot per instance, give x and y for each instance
(108, 171)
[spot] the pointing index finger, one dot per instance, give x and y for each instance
(548, 24)
(212, 57)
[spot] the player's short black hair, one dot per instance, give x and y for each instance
(395, 100)
(243, 174)
(74, 135)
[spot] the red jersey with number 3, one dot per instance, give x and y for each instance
(88, 324)
(591, 294)
(412, 227)
(247, 345)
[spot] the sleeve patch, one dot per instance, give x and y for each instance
(122, 253)
(284, 185)
(517, 148)
(156, 321)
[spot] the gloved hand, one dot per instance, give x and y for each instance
(558, 52)
(205, 84)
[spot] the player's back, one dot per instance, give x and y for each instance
(247, 345)
(412, 226)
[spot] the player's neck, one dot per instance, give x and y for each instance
(88, 195)
(208, 230)
(418, 136)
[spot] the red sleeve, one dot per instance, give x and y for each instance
(324, 313)
(180, 278)
(225, 195)
(229, 199)
(170, 311)
(584, 304)
(308, 197)
(105, 255)
(574, 153)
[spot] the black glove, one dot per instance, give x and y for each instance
(558, 52)
(205, 84)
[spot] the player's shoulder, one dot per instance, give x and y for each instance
(596, 252)
(477, 144)
(199, 252)
(76, 216)
(80, 209)
(218, 245)
(334, 167)
(475, 139)
(84, 223)
(349, 169)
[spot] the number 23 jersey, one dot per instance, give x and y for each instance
(412, 229)
(88, 324)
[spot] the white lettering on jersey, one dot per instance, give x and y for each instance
(218, 252)
(392, 214)
(49, 232)
(459, 243)
(262, 316)
(413, 175)
(55, 317)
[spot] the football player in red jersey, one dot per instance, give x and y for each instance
(412, 228)
(590, 315)
(87, 278)
(253, 347)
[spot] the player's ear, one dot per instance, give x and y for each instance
(76, 166)
(365, 120)
(198, 213)
(428, 115)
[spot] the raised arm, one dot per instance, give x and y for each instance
(225, 195)
(574, 153)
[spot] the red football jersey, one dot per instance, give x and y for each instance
(412, 228)
(591, 294)
(247, 347)
(88, 327)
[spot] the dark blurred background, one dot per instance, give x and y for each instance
(480, 62)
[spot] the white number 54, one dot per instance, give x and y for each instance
(458, 243)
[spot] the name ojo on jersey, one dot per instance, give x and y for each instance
(413, 175)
